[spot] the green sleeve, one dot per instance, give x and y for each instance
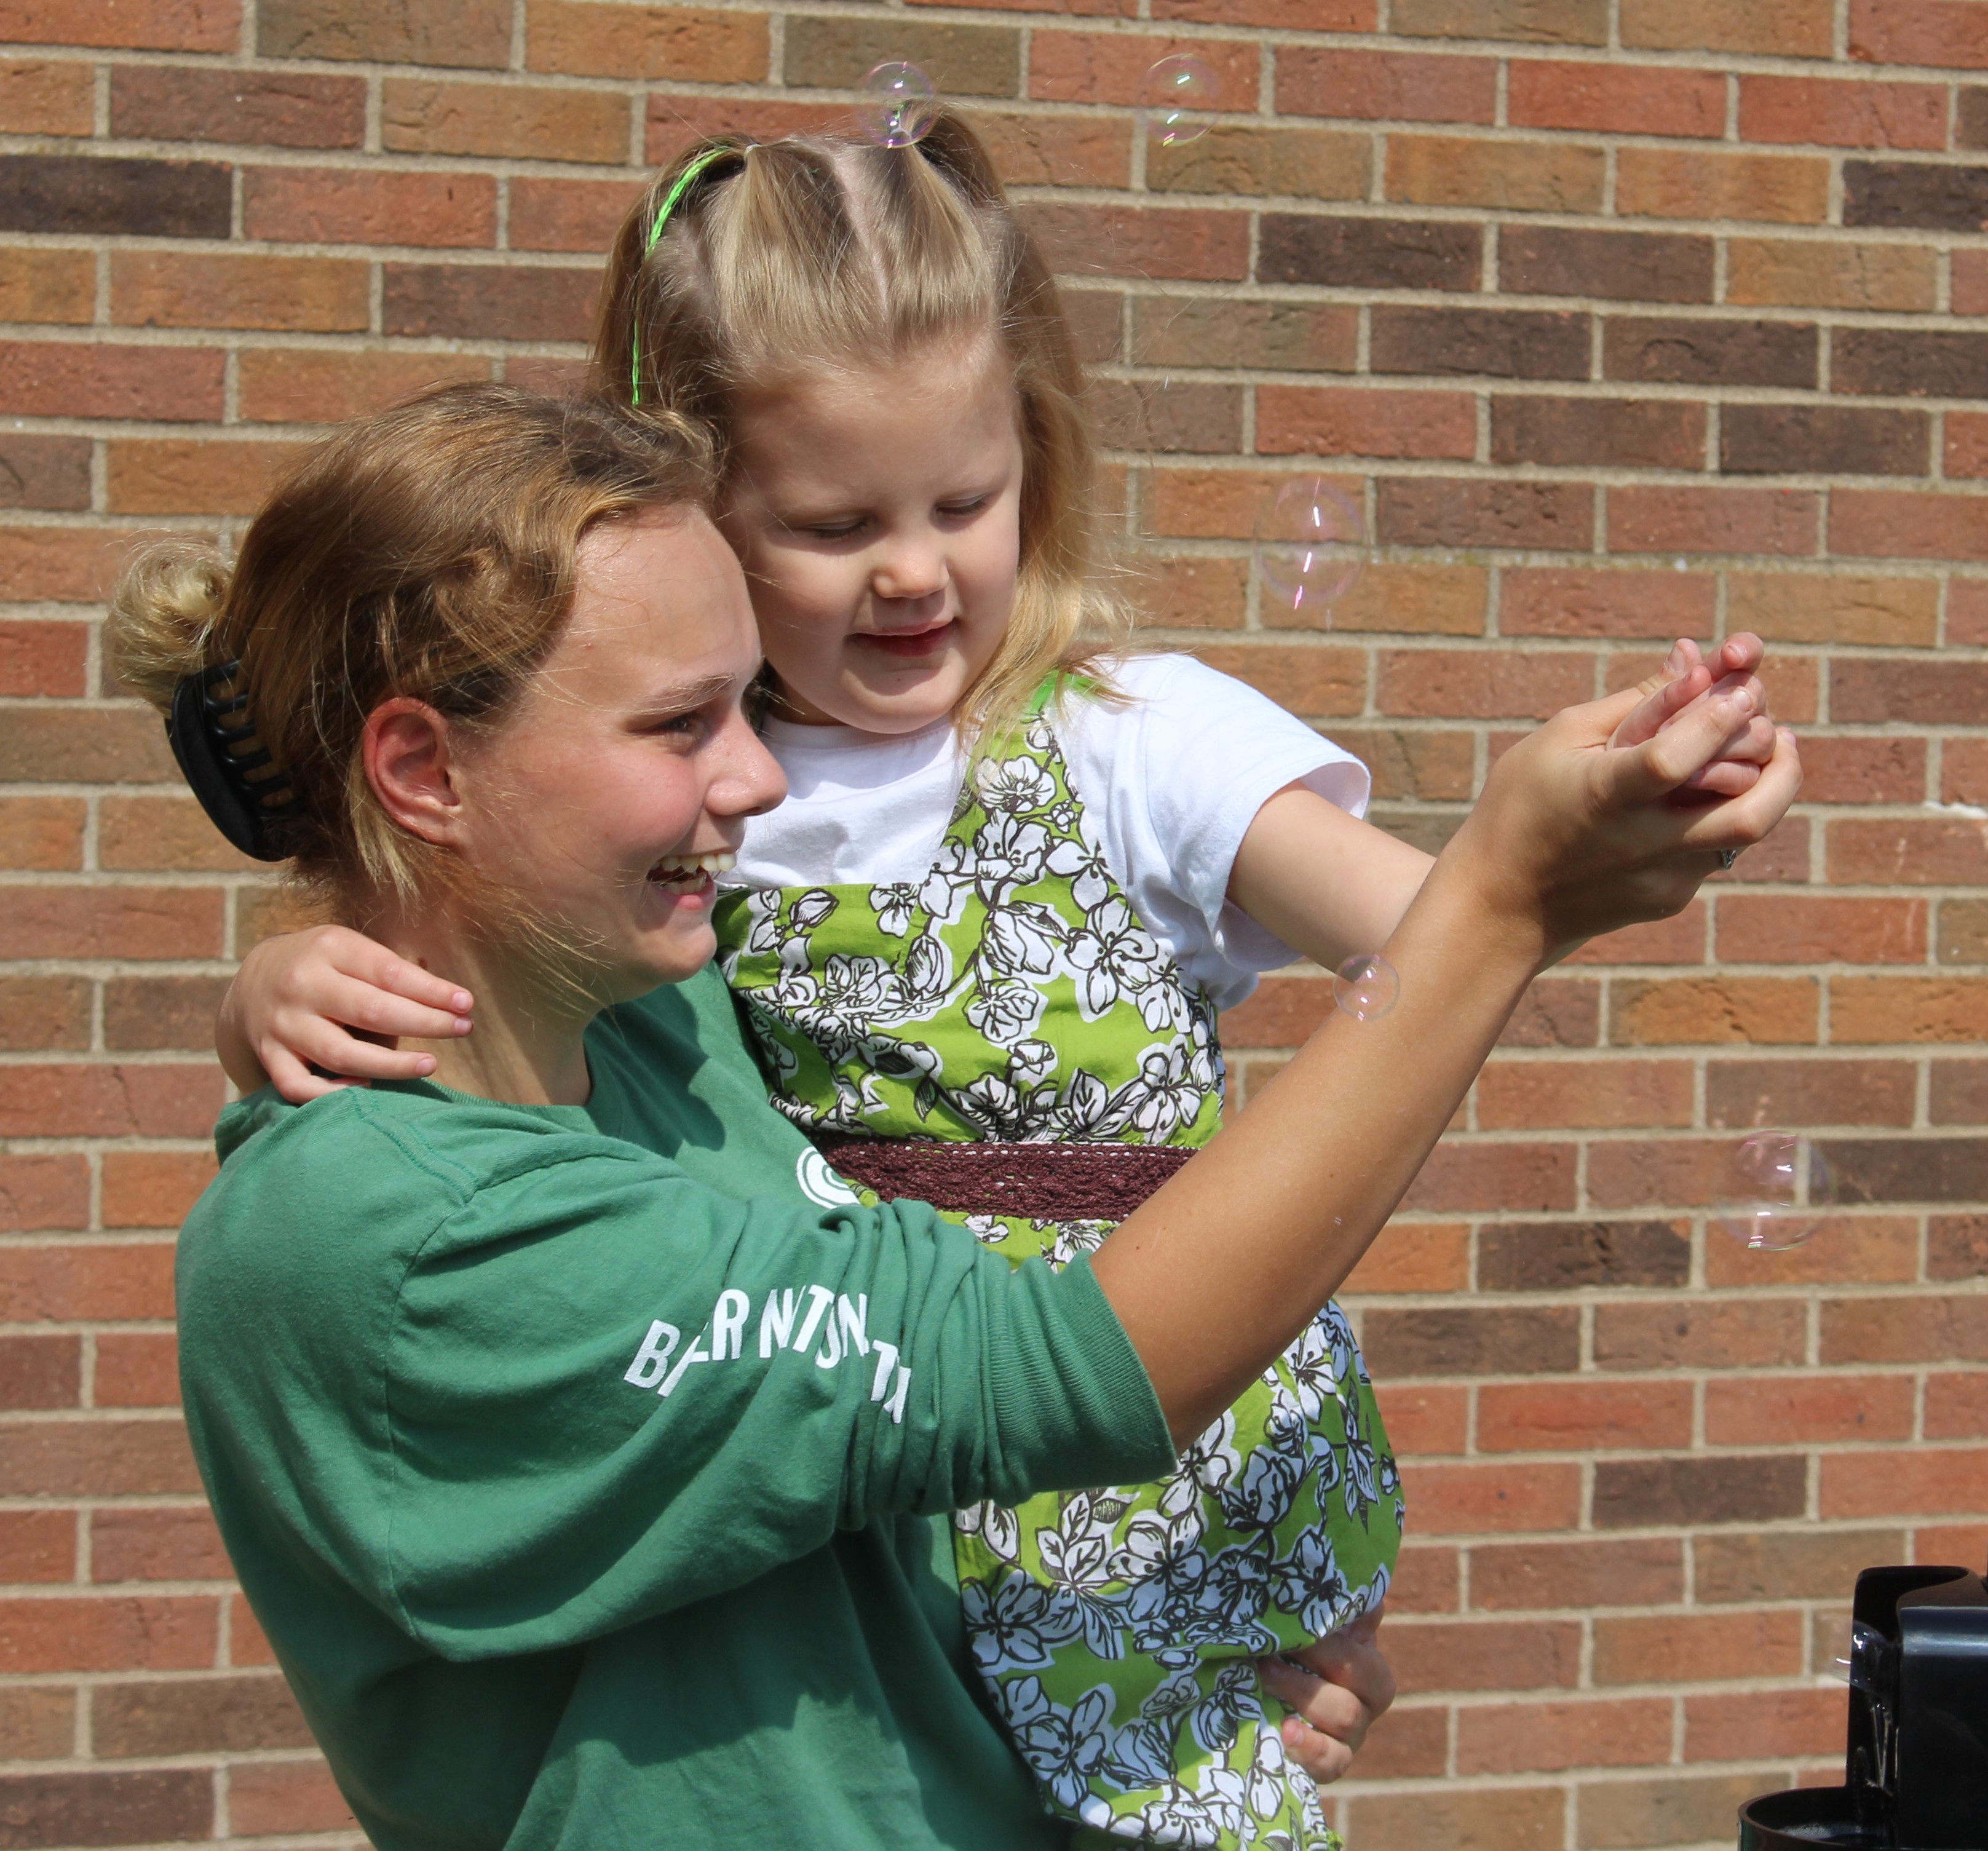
(602, 1389)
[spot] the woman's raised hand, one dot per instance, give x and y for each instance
(332, 999)
(1688, 678)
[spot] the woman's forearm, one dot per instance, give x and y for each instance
(1221, 1267)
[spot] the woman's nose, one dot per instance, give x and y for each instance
(746, 779)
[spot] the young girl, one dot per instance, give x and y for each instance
(982, 946)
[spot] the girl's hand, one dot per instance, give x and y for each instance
(309, 999)
(1338, 1689)
(1687, 679)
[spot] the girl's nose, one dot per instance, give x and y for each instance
(909, 568)
(746, 779)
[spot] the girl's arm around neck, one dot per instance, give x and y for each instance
(1217, 1272)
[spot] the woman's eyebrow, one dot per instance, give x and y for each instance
(681, 697)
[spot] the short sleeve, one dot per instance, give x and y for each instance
(1172, 778)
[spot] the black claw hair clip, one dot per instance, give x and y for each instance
(215, 740)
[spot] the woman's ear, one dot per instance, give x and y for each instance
(407, 763)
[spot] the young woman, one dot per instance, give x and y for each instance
(583, 1446)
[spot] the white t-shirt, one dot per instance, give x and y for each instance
(1170, 781)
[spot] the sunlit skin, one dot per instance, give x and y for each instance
(626, 759)
(877, 515)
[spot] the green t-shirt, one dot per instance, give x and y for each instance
(584, 1464)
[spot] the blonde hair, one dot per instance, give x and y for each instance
(428, 551)
(812, 251)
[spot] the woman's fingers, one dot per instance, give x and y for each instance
(1745, 820)
(1691, 741)
(1660, 704)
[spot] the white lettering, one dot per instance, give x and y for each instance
(776, 1321)
(819, 1299)
(653, 1357)
(886, 1360)
(830, 1352)
(894, 1407)
(696, 1353)
(851, 1320)
(728, 1321)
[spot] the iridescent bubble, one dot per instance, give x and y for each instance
(1176, 97)
(1366, 986)
(899, 105)
(1855, 1647)
(1311, 546)
(1775, 1192)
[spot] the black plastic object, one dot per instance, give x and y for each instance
(1916, 1769)
(214, 739)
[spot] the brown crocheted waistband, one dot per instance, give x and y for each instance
(1036, 1182)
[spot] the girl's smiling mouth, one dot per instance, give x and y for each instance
(925, 640)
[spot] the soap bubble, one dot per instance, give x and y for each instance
(1774, 1192)
(1366, 986)
(1176, 96)
(1856, 1646)
(1311, 546)
(899, 105)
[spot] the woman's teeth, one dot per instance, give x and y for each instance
(691, 867)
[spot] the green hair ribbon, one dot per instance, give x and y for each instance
(670, 199)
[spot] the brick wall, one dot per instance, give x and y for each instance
(1628, 316)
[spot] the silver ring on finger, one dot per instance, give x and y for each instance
(1727, 857)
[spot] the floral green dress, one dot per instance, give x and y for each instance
(1013, 996)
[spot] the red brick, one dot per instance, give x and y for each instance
(568, 214)
(683, 44)
(1763, 1725)
(493, 120)
(1700, 1648)
(169, 289)
(1552, 1738)
(1679, 939)
(1474, 1499)
(1512, 1818)
(1460, 1177)
(1712, 520)
(1863, 770)
(41, 96)
(1907, 851)
(1616, 99)
(1842, 115)
(62, 921)
(1438, 511)
(149, 833)
(1529, 22)
(1519, 1096)
(57, 379)
(37, 1723)
(1908, 1009)
(1190, 503)
(1310, 681)
(1956, 1405)
(1666, 183)
(247, 1643)
(1502, 176)
(1905, 1329)
(67, 1284)
(338, 205)
(1817, 1410)
(1700, 1333)
(1293, 15)
(1783, 29)
(1786, 929)
(103, 1809)
(1834, 607)
(43, 658)
(192, 476)
(153, 1188)
(676, 122)
(271, 1797)
(1376, 85)
(147, 25)
(1967, 611)
(1753, 1093)
(1966, 451)
(44, 1013)
(1892, 1482)
(1582, 1416)
(1852, 1249)
(1662, 1011)
(286, 108)
(1199, 246)
(53, 285)
(1430, 1654)
(1538, 601)
(1970, 282)
(1425, 1580)
(1406, 1257)
(317, 385)
(1944, 32)
(1099, 67)
(59, 565)
(99, 1100)
(137, 1368)
(40, 1371)
(1338, 421)
(1809, 274)
(1427, 1421)
(106, 1632)
(1511, 1577)
(488, 302)
(37, 1545)
(163, 1544)
(1889, 523)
